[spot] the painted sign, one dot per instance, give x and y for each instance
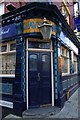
(8, 31)
(77, 23)
(6, 104)
(31, 25)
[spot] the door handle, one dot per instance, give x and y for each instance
(38, 76)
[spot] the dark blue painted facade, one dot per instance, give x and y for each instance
(62, 84)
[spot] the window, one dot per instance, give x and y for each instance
(63, 51)
(74, 63)
(8, 58)
(65, 57)
(65, 67)
(39, 45)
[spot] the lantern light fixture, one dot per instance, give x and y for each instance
(46, 29)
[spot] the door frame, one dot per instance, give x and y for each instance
(52, 76)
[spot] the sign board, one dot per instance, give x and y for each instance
(77, 23)
(6, 104)
(8, 31)
(31, 25)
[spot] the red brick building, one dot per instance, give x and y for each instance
(3, 6)
(66, 7)
(15, 4)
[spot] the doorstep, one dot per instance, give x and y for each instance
(42, 112)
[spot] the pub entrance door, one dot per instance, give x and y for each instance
(39, 78)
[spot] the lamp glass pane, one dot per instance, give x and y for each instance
(46, 31)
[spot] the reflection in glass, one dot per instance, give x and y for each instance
(45, 63)
(33, 63)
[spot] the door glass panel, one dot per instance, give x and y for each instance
(33, 63)
(45, 63)
(39, 45)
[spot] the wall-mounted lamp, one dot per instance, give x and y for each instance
(46, 29)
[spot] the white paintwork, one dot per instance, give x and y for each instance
(27, 75)
(1, 8)
(6, 104)
(52, 76)
(7, 75)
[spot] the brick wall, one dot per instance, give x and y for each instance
(16, 4)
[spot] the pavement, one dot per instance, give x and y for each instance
(71, 109)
